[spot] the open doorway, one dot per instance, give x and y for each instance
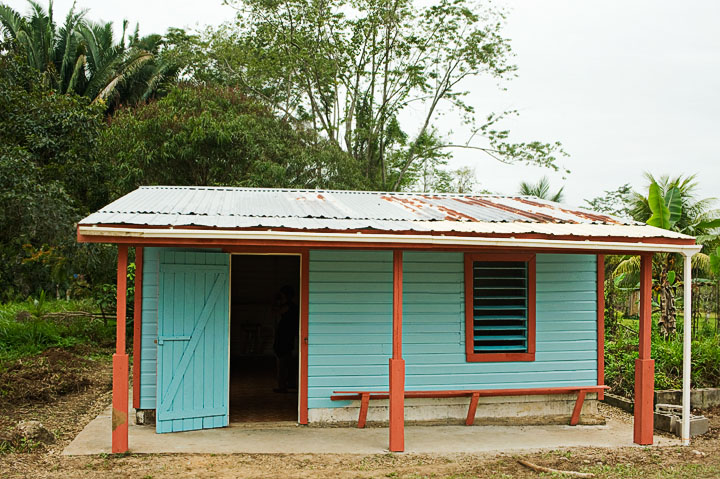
(264, 325)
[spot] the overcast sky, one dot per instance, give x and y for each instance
(626, 86)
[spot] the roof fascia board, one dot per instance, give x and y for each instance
(365, 238)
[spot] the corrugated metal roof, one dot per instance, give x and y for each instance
(317, 210)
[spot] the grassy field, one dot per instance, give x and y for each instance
(31, 327)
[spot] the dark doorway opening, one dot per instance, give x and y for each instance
(259, 317)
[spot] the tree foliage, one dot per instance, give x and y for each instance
(48, 179)
(82, 56)
(208, 135)
(373, 76)
(613, 202)
(541, 190)
(671, 204)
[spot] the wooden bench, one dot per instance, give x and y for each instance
(474, 395)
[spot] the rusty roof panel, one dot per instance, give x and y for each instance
(224, 207)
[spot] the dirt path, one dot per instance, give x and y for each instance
(67, 414)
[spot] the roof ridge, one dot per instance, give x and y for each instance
(318, 190)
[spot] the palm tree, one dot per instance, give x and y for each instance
(82, 56)
(695, 217)
(541, 190)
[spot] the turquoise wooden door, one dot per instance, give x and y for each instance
(193, 349)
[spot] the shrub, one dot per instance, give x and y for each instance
(621, 351)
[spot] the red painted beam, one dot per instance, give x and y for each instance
(397, 304)
(601, 323)
(644, 366)
(121, 238)
(120, 361)
(304, 332)
(645, 305)
(137, 326)
(397, 364)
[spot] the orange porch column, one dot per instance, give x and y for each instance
(644, 366)
(120, 361)
(397, 364)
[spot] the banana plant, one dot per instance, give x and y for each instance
(715, 262)
(667, 209)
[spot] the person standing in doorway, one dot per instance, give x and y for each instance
(286, 337)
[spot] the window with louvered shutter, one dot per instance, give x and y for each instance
(500, 307)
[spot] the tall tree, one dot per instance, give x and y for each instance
(374, 76)
(541, 190)
(83, 57)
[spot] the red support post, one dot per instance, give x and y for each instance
(120, 361)
(601, 324)
(304, 334)
(644, 366)
(137, 326)
(397, 364)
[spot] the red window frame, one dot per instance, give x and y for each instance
(471, 355)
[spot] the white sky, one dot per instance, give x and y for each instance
(627, 87)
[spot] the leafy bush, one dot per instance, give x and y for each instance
(621, 351)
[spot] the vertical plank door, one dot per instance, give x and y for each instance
(193, 350)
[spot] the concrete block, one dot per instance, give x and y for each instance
(703, 398)
(668, 418)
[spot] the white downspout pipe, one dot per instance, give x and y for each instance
(687, 343)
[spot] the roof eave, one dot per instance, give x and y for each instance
(139, 235)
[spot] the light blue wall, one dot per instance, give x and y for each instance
(350, 327)
(351, 340)
(148, 348)
(350, 330)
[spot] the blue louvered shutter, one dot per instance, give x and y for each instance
(500, 306)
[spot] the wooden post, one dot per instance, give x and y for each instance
(120, 361)
(304, 326)
(601, 324)
(397, 364)
(644, 365)
(137, 326)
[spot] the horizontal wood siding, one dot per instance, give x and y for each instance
(148, 353)
(148, 364)
(350, 339)
(350, 322)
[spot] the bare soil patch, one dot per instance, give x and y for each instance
(63, 389)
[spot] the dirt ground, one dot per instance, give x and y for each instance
(67, 413)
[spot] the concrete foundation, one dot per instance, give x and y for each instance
(519, 410)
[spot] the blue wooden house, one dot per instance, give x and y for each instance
(409, 307)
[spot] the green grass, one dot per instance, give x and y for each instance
(24, 331)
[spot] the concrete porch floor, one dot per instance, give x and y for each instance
(291, 438)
